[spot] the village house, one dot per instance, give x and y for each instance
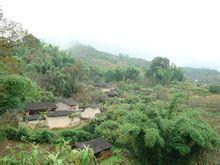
(62, 119)
(32, 120)
(100, 146)
(64, 113)
(103, 87)
(37, 108)
(67, 104)
(89, 113)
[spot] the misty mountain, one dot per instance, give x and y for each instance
(201, 75)
(105, 61)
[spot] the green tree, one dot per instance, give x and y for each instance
(15, 90)
(132, 73)
(11, 34)
(161, 70)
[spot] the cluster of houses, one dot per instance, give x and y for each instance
(67, 113)
(64, 113)
(107, 89)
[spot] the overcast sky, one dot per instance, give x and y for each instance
(186, 31)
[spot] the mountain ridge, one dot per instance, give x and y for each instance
(105, 61)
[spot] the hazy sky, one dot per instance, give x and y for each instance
(186, 31)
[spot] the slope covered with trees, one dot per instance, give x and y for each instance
(104, 60)
(202, 75)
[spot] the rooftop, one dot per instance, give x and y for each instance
(69, 101)
(59, 113)
(40, 106)
(98, 145)
(32, 117)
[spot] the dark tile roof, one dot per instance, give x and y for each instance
(32, 117)
(59, 113)
(40, 106)
(98, 145)
(70, 101)
(112, 94)
(101, 85)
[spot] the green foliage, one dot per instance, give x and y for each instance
(62, 155)
(108, 130)
(172, 134)
(42, 136)
(52, 69)
(98, 96)
(12, 133)
(15, 90)
(17, 134)
(161, 70)
(201, 75)
(73, 136)
(120, 74)
(93, 124)
(189, 135)
(214, 88)
(24, 134)
(105, 61)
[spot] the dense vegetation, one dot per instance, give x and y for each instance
(202, 75)
(151, 120)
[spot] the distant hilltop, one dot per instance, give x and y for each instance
(106, 61)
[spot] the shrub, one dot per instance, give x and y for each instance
(12, 133)
(63, 154)
(2, 134)
(90, 127)
(73, 136)
(42, 136)
(108, 129)
(214, 88)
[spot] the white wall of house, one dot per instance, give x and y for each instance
(62, 106)
(90, 113)
(62, 121)
(106, 89)
(34, 123)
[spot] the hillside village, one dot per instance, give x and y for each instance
(63, 113)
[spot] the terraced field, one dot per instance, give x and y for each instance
(211, 106)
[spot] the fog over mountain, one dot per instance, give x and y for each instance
(187, 32)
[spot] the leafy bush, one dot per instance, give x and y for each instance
(73, 136)
(2, 134)
(90, 127)
(214, 88)
(107, 129)
(12, 133)
(42, 136)
(157, 134)
(63, 154)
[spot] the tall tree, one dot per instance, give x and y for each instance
(15, 90)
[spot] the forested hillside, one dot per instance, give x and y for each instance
(202, 75)
(104, 60)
